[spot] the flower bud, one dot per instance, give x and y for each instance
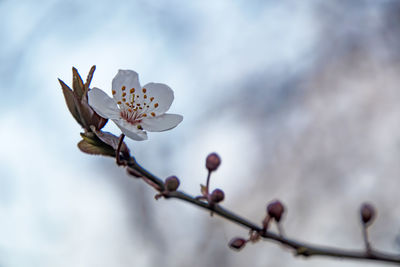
(275, 209)
(172, 183)
(237, 243)
(217, 196)
(367, 213)
(212, 162)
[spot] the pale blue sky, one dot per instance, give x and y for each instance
(59, 207)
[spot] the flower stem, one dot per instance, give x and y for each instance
(118, 151)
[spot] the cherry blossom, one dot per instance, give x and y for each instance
(133, 108)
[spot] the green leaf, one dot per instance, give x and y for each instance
(77, 83)
(92, 149)
(71, 101)
(91, 138)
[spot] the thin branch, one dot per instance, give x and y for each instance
(299, 248)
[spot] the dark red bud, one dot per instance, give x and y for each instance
(172, 183)
(367, 213)
(217, 196)
(275, 209)
(237, 243)
(212, 162)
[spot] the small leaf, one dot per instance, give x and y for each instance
(89, 78)
(91, 138)
(88, 115)
(92, 149)
(111, 140)
(71, 101)
(101, 122)
(77, 83)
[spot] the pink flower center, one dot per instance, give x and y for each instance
(132, 117)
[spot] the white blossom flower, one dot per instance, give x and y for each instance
(133, 108)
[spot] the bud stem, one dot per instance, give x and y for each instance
(208, 183)
(266, 222)
(366, 239)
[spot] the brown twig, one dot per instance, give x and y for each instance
(299, 248)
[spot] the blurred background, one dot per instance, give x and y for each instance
(299, 98)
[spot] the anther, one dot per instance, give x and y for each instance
(132, 90)
(156, 105)
(123, 88)
(153, 114)
(113, 92)
(144, 90)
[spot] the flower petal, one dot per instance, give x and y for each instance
(131, 130)
(104, 105)
(161, 123)
(159, 98)
(123, 85)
